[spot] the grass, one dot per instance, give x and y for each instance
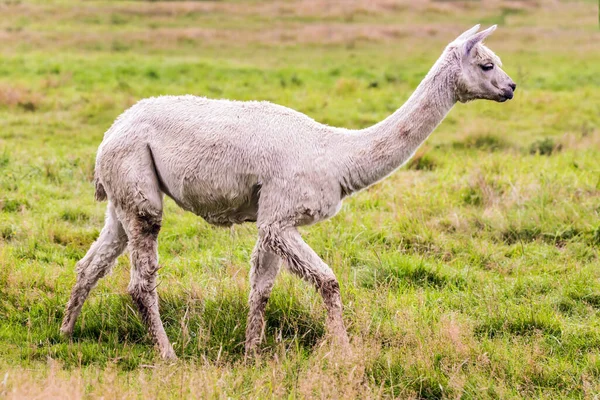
(471, 273)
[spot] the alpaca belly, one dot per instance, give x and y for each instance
(221, 199)
(245, 213)
(226, 206)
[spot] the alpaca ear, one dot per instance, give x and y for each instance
(478, 37)
(467, 34)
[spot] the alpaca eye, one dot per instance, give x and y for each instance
(487, 67)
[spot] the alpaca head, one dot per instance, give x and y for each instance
(477, 69)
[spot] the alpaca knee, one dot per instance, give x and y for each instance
(268, 240)
(276, 239)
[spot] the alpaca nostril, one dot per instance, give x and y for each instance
(513, 86)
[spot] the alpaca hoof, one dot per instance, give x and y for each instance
(250, 354)
(342, 344)
(169, 355)
(338, 341)
(66, 332)
(338, 336)
(345, 348)
(251, 349)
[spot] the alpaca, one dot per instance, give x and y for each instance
(231, 162)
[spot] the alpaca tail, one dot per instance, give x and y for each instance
(100, 193)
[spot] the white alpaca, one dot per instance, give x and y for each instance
(231, 162)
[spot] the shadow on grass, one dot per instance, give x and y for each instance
(519, 325)
(526, 234)
(400, 272)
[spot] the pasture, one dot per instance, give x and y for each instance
(472, 272)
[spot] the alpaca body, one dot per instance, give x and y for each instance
(216, 157)
(231, 162)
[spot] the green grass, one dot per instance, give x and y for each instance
(473, 272)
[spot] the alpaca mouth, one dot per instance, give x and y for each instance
(506, 95)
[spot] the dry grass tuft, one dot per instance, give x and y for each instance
(14, 96)
(332, 373)
(58, 384)
(329, 373)
(587, 138)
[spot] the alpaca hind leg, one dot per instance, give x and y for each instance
(143, 247)
(304, 262)
(264, 270)
(129, 178)
(98, 261)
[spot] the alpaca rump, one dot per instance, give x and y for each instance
(232, 162)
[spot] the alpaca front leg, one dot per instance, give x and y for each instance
(304, 262)
(142, 287)
(264, 269)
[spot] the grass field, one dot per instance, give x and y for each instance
(473, 272)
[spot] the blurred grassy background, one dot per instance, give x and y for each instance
(473, 272)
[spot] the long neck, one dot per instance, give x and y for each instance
(375, 152)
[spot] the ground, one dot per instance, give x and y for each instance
(473, 272)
